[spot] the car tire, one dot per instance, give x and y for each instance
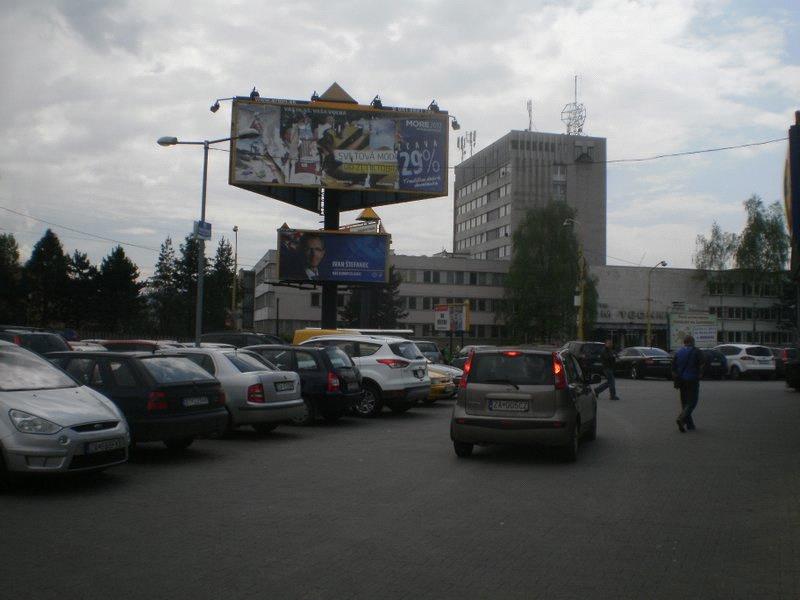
(179, 444)
(264, 427)
(570, 450)
(462, 449)
(736, 373)
(370, 403)
(308, 417)
(332, 415)
(635, 372)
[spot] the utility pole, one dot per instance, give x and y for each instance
(235, 276)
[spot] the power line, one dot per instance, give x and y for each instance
(690, 152)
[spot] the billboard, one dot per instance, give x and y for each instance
(451, 317)
(332, 256)
(791, 193)
(373, 156)
(700, 325)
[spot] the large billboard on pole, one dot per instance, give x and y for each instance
(374, 156)
(332, 256)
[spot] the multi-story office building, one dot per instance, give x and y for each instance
(523, 170)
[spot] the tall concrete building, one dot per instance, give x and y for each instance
(523, 170)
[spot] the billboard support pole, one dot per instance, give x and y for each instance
(330, 290)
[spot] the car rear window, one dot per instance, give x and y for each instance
(21, 370)
(174, 369)
(406, 350)
(43, 342)
(758, 351)
(654, 352)
(246, 363)
(339, 358)
(519, 368)
(129, 346)
(592, 349)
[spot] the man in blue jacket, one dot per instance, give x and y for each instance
(687, 367)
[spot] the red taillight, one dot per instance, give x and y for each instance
(255, 393)
(333, 382)
(784, 355)
(512, 353)
(394, 363)
(221, 398)
(18, 340)
(559, 377)
(467, 367)
(157, 401)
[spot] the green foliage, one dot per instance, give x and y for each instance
(11, 307)
(375, 307)
(219, 289)
(764, 244)
(186, 279)
(543, 276)
(82, 292)
(716, 251)
(165, 302)
(122, 305)
(46, 281)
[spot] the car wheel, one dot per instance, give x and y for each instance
(463, 449)
(179, 444)
(634, 372)
(331, 415)
(370, 403)
(264, 427)
(309, 415)
(570, 450)
(736, 373)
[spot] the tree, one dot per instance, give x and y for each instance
(186, 278)
(82, 291)
(713, 258)
(10, 280)
(46, 280)
(120, 303)
(764, 244)
(375, 307)
(219, 288)
(164, 292)
(543, 275)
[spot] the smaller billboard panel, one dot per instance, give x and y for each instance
(702, 326)
(441, 317)
(451, 317)
(332, 256)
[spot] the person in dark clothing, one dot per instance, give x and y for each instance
(687, 368)
(609, 359)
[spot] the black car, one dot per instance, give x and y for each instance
(588, 355)
(40, 342)
(329, 381)
(460, 359)
(715, 365)
(791, 368)
(639, 362)
(164, 398)
(782, 356)
(240, 339)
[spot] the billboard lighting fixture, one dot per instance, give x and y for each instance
(215, 107)
(433, 107)
(376, 102)
(254, 94)
(456, 125)
(314, 96)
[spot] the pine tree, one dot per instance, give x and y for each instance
(120, 302)
(218, 289)
(165, 295)
(46, 280)
(10, 280)
(388, 307)
(186, 278)
(82, 291)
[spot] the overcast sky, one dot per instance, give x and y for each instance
(89, 85)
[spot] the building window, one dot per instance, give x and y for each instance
(412, 303)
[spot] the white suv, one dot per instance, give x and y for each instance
(748, 359)
(393, 370)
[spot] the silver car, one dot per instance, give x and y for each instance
(523, 396)
(51, 424)
(256, 393)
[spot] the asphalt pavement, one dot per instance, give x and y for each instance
(383, 509)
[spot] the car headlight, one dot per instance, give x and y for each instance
(28, 423)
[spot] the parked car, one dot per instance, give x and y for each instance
(588, 355)
(49, 423)
(40, 342)
(715, 365)
(394, 373)
(442, 385)
(240, 339)
(748, 359)
(791, 368)
(165, 398)
(454, 372)
(87, 347)
(639, 362)
(460, 359)
(256, 393)
(135, 345)
(430, 350)
(782, 355)
(523, 396)
(329, 380)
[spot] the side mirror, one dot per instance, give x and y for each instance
(595, 379)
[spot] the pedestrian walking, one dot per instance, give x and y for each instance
(687, 368)
(609, 359)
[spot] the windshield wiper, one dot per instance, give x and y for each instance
(506, 381)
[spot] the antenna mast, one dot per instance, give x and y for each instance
(467, 141)
(574, 114)
(529, 105)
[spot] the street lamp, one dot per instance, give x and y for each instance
(201, 246)
(235, 274)
(662, 263)
(581, 278)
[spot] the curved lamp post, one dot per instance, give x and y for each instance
(173, 141)
(661, 263)
(581, 277)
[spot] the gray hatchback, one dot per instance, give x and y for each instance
(523, 396)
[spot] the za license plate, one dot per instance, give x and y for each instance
(195, 401)
(284, 386)
(511, 405)
(105, 445)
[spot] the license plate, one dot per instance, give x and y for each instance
(512, 405)
(195, 401)
(105, 445)
(284, 386)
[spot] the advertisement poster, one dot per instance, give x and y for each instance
(451, 317)
(320, 256)
(441, 317)
(700, 325)
(358, 148)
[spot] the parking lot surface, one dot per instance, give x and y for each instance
(383, 509)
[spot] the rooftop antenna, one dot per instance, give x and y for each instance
(467, 141)
(529, 106)
(574, 114)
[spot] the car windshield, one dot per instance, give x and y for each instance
(43, 342)
(174, 369)
(406, 350)
(246, 363)
(654, 352)
(22, 370)
(339, 358)
(592, 349)
(518, 368)
(427, 347)
(758, 351)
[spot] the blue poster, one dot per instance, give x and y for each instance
(421, 155)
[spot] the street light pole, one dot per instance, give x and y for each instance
(581, 277)
(201, 247)
(235, 274)
(663, 263)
